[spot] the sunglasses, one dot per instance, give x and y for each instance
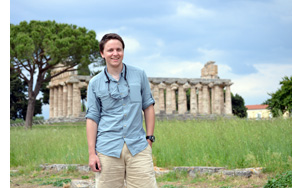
(117, 95)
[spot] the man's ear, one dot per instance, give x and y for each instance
(101, 54)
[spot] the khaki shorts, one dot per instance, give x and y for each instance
(132, 171)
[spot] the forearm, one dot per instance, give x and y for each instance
(91, 132)
(149, 120)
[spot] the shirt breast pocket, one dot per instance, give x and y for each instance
(106, 101)
(135, 93)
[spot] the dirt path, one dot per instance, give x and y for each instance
(45, 179)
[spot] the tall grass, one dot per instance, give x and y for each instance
(64, 143)
(235, 143)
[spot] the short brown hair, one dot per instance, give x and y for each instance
(108, 37)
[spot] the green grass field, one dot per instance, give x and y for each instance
(230, 143)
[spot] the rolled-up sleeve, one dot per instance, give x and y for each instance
(147, 98)
(93, 104)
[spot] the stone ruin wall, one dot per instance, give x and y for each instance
(65, 95)
(206, 94)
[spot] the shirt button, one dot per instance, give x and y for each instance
(125, 125)
(125, 115)
(124, 136)
(124, 104)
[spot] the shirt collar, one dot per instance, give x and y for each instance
(110, 76)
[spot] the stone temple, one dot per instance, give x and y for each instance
(174, 97)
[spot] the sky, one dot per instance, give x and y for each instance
(250, 40)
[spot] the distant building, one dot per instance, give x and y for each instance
(258, 111)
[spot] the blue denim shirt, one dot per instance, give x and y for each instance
(119, 120)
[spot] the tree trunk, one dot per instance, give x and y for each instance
(32, 94)
(29, 113)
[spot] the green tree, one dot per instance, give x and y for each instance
(17, 96)
(281, 100)
(38, 46)
(18, 99)
(238, 106)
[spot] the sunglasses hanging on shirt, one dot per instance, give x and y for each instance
(117, 95)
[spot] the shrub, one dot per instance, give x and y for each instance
(282, 180)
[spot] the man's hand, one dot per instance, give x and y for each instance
(93, 160)
(149, 142)
(91, 131)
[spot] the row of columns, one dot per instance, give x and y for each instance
(65, 100)
(205, 98)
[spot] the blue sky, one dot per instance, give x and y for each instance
(250, 40)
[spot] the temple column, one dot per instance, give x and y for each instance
(228, 103)
(70, 100)
(194, 103)
(211, 86)
(174, 87)
(56, 90)
(200, 98)
(221, 91)
(76, 100)
(65, 100)
(60, 103)
(182, 100)
(51, 102)
(168, 100)
(161, 87)
(206, 100)
(216, 102)
(156, 98)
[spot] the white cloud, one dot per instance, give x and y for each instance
(157, 66)
(184, 69)
(188, 10)
(224, 71)
(132, 45)
(256, 86)
(211, 54)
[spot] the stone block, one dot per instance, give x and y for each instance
(237, 172)
(192, 171)
(59, 167)
(82, 184)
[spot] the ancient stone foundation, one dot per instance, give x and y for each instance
(181, 98)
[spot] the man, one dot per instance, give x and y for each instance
(117, 142)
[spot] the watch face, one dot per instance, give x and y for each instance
(151, 138)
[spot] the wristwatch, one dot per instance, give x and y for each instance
(151, 138)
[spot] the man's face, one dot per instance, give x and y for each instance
(113, 53)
